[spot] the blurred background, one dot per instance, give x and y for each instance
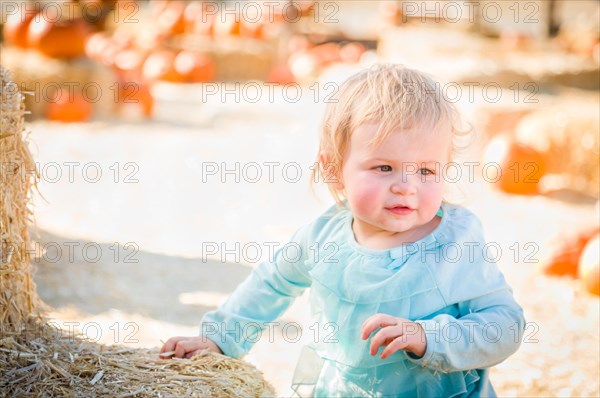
(175, 143)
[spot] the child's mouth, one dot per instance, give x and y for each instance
(400, 210)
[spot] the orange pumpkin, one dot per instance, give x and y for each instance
(565, 258)
(137, 94)
(589, 266)
(281, 74)
(195, 67)
(522, 170)
(160, 66)
(61, 39)
(69, 107)
(521, 166)
(16, 27)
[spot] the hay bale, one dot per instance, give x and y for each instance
(43, 361)
(18, 297)
(39, 360)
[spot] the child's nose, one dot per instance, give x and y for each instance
(404, 185)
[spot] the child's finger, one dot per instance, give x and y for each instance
(376, 321)
(170, 344)
(399, 343)
(385, 335)
(184, 346)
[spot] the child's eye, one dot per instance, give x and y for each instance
(385, 168)
(425, 172)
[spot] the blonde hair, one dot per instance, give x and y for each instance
(391, 96)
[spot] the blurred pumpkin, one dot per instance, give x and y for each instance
(565, 257)
(16, 27)
(69, 107)
(521, 166)
(281, 74)
(171, 20)
(589, 266)
(195, 67)
(160, 66)
(136, 94)
(58, 39)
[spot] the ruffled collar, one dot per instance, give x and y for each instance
(431, 241)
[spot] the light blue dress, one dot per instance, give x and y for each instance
(447, 281)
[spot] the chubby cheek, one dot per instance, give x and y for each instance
(365, 196)
(431, 197)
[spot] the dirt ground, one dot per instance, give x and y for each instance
(139, 273)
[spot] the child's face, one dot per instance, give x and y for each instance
(395, 189)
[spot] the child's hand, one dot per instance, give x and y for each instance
(396, 334)
(187, 347)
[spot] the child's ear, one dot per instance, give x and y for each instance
(330, 171)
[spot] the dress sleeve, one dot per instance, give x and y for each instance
(261, 298)
(486, 336)
(482, 323)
